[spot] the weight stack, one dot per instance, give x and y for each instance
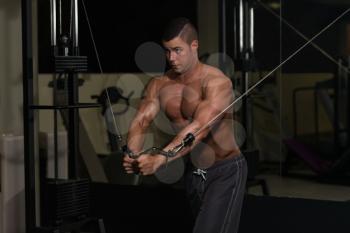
(65, 201)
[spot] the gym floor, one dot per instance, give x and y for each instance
(301, 182)
(280, 186)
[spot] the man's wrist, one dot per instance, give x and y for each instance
(128, 151)
(162, 160)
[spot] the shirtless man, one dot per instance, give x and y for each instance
(191, 94)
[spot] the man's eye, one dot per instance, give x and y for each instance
(178, 50)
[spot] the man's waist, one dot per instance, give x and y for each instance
(221, 160)
(228, 159)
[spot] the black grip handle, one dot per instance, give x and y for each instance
(187, 141)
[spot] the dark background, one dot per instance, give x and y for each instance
(119, 27)
(274, 41)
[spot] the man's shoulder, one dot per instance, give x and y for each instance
(157, 79)
(162, 77)
(214, 74)
(214, 71)
(157, 82)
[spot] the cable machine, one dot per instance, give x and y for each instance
(64, 203)
(243, 53)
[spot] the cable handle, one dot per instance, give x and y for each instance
(187, 141)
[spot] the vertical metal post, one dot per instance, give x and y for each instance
(241, 27)
(244, 56)
(251, 30)
(53, 17)
(60, 16)
(245, 49)
(348, 103)
(28, 116)
(73, 96)
(53, 22)
(222, 34)
(76, 29)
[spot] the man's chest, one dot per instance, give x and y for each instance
(179, 102)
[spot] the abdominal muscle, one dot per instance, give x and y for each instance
(219, 143)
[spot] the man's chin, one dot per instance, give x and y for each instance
(177, 70)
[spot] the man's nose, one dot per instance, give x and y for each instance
(172, 56)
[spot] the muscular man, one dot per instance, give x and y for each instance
(191, 94)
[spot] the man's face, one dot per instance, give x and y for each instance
(180, 54)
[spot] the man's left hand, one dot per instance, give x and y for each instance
(149, 164)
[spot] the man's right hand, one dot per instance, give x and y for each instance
(130, 165)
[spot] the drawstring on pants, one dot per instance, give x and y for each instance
(201, 172)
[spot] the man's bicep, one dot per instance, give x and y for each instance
(149, 104)
(206, 111)
(220, 93)
(148, 109)
(218, 97)
(151, 89)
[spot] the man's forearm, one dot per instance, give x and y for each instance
(136, 138)
(193, 127)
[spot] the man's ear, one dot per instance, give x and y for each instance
(194, 44)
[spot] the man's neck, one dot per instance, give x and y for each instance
(191, 74)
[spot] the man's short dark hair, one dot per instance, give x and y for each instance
(180, 27)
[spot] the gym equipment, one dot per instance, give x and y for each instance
(328, 154)
(67, 200)
(112, 95)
